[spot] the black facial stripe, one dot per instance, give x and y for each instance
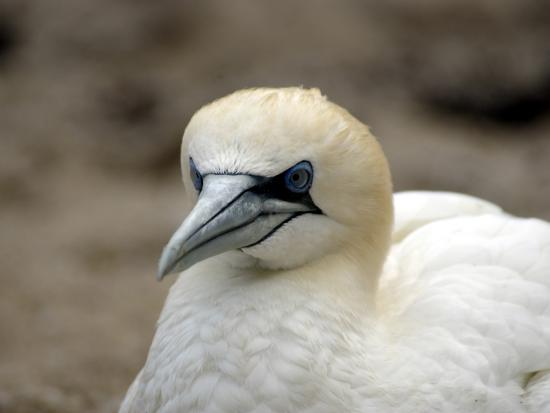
(220, 211)
(274, 230)
(275, 187)
(244, 224)
(271, 187)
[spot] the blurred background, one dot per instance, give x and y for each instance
(94, 96)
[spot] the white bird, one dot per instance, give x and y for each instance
(299, 294)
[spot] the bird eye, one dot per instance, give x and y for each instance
(196, 176)
(299, 178)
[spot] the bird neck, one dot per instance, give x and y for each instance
(349, 274)
(330, 291)
(366, 255)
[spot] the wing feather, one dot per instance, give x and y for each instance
(477, 277)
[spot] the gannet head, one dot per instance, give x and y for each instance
(284, 176)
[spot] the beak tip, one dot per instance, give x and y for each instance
(166, 264)
(160, 274)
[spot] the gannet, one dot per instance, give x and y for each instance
(299, 293)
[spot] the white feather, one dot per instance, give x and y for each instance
(464, 318)
(457, 321)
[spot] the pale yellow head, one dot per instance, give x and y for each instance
(264, 132)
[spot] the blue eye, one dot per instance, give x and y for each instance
(196, 176)
(298, 179)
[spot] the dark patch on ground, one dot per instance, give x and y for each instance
(9, 39)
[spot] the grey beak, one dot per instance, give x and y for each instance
(228, 215)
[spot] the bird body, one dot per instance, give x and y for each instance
(335, 309)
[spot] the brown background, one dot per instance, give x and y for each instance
(94, 96)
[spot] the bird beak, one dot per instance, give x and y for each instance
(228, 215)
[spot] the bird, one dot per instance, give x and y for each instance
(306, 285)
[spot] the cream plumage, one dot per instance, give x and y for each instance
(298, 297)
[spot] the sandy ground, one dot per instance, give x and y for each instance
(95, 95)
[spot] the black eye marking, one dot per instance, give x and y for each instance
(196, 176)
(292, 185)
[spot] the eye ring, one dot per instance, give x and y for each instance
(195, 175)
(299, 178)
